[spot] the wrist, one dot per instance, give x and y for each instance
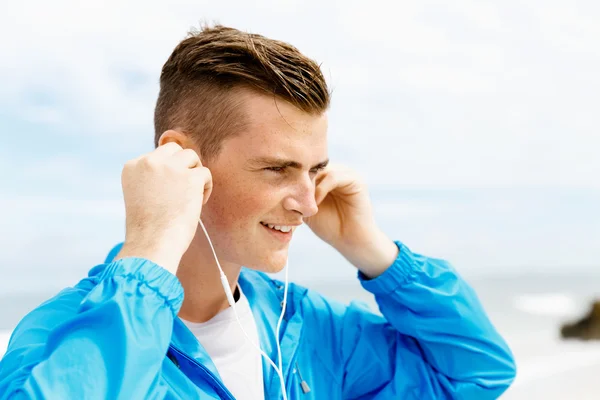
(374, 255)
(160, 254)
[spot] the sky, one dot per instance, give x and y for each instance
(475, 124)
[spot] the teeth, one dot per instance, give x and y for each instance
(281, 228)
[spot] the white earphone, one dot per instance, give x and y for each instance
(231, 302)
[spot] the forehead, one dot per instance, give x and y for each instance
(278, 126)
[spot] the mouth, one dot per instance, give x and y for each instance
(280, 228)
(281, 232)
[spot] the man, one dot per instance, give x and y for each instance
(241, 132)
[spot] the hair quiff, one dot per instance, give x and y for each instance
(199, 81)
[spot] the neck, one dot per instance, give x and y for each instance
(199, 275)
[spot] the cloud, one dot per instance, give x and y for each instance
(62, 206)
(463, 93)
(426, 95)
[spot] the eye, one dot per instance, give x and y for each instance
(277, 170)
(317, 170)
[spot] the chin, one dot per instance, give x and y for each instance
(271, 265)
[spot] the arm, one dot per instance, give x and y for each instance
(106, 340)
(434, 340)
(111, 341)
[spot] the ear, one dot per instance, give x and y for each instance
(175, 136)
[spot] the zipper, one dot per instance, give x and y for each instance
(303, 384)
(216, 382)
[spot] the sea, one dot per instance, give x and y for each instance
(527, 309)
(531, 254)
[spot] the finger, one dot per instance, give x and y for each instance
(321, 176)
(326, 185)
(166, 150)
(187, 158)
(204, 177)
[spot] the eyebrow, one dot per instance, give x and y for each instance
(282, 162)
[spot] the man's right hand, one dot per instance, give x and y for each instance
(164, 192)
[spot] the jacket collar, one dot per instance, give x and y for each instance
(265, 296)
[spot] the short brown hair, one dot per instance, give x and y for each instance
(209, 65)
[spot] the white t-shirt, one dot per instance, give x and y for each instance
(238, 361)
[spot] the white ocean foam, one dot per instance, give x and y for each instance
(549, 304)
(570, 357)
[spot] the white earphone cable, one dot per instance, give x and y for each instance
(231, 302)
(285, 291)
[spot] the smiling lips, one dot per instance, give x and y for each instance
(280, 228)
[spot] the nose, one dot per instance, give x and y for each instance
(302, 198)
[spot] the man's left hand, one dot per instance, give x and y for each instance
(345, 221)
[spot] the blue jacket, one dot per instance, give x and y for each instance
(116, 335)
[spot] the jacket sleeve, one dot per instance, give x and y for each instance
(434, 340)
(104, 341)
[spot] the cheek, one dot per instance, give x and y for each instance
(232, 209)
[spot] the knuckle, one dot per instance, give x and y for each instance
(190, 152)
(170, 147)
(151, 163)
(175, 146)
(204, 175)
(129, 165)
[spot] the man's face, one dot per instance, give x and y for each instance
(263, 178)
